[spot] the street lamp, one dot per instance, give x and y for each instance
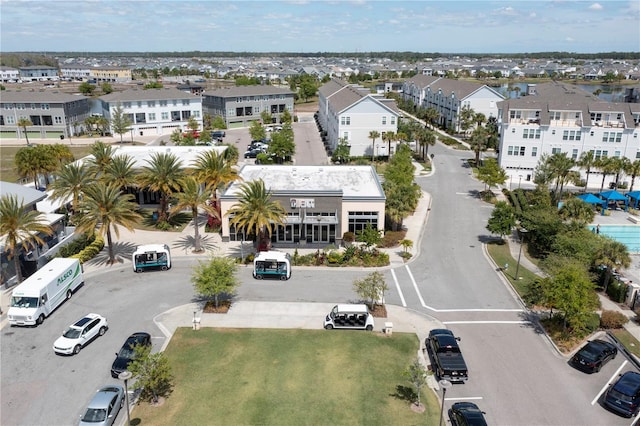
(126, 375)
(521, 232)
(444, 384)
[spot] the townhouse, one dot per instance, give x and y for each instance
(154, 111)
(241, 105)
(111, 74)
(448, 97)
(52, 114)
(554, 118)
(350, 112)
(9, 75)
(38, 73)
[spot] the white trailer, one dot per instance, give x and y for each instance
(40, 294)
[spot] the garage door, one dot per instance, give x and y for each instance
(53, 135)
(8, 134)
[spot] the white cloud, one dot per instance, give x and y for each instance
(596, 6)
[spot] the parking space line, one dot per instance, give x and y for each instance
(395, 279)
(415, 286)
(608, 383)
(486, 322)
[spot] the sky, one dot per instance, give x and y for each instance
(307, 26)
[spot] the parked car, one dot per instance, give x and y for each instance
(218, 134)
(80, 334)
(592, 356)
(444, 352)
(104, 407)
(253, 153)
(624, 396)
(126, 354)
(466, 414)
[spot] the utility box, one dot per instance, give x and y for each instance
(388, 328)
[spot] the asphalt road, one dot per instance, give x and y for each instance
(516, 376)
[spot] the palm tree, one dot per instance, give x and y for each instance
(633, 170)
(431, 115)
(479, 142)
(619, 165)
(389, 137)
(162, 174)
(577, 211)
(612, 255)
(215, 171)
(606, 167)
(104, 207)
(587, 161)
(71, 181)
(373, 135)
(24, 123)
(121, 172)
(27, 164)
(193, 197)
(561, 165)
(255, 212)
(20, 228)
(102, 155)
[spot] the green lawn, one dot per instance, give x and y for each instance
(8, 154)
(289, 377)
(501, 256)
(628, 341)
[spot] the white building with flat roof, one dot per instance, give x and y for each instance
(322, 202)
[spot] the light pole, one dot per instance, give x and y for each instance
(519, 180)
(521, 233)
(444, 384)
(126, 375)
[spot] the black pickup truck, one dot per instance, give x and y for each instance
(446, 359)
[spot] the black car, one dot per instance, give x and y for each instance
(253, 153)
(624, 396)
(127, 353)
(592, 356)
(466, 413)
(218, 134)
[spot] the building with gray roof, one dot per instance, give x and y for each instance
(555, 118)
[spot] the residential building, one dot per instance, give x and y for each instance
(9, 75)
(111, 74)
(38, 73)
(560, 118)
(321, 202)
(239, 106)
(350, 112)
(51, 113)
(449, 96)
(154, 111)
(75, 72)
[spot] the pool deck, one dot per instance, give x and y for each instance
(620, 218)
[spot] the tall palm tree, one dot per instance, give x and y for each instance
(24, 123)
(373, 135)
(611, 254)
(587, 161)
(561, 165)
(162, 174)
(121, 172)
(606, 167)
(27, 164)
(193, 197)
(20, 228)
(215, 171)
(71, 181)
(431, 115)
(104, 207)
(102, 155)
(577, 211)
(633, 170)
(255, 212)
(479, 142)
(389, 137)
(619, 165)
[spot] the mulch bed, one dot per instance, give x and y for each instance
(379, 311)
(223, 307)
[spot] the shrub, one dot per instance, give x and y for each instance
(613, 319)
(348, 237)
(90, 251)
(77, 245)
(617, 291)
(391, 239)
(592, 322)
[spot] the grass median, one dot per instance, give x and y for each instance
(289, 377)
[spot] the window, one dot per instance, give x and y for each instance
(516, 150)
(195, 114)
(574, 154)
(44, 106)
(345, 121)
(345, 136)
(126, 105)
(10, 119)
(393, 120)
(522, 151)
(33, 106)
(565, 135)
(185, 102)
(384, 120)
(151, 104)
(152, 116)
(139, 104)
(554, 115)
(20, 106)
(525, 133)
(358, 221)
(619, 137)
(556, 150)
(58, 120)
(534, 151)
(165, 116)
(163, 103)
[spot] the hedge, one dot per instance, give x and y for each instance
(90, 251)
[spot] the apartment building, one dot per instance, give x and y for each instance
(111, 74)
(38, 73)
(350, 112)
(241, 105)
(52, 114)
(9, 75)
(449, 96)
(154, 111)
(554, 118)
(75, 72)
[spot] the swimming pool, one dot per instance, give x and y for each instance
(629, 235)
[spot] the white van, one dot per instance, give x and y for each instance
(355, 317)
